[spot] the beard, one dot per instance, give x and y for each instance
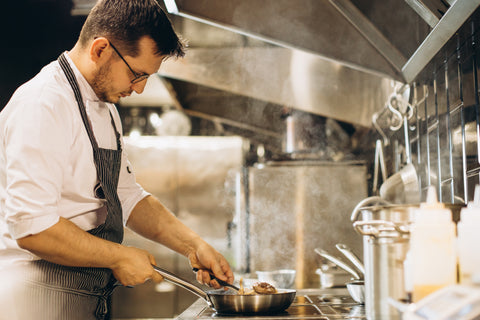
(101, 84)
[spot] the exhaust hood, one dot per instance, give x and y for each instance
(339, 59)
(395, 38)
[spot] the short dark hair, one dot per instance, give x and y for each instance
(124, 22)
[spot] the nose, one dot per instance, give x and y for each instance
(139, 86)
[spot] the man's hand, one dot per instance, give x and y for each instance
(207, 260)
(135, 267)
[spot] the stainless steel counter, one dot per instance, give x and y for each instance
(321, 304)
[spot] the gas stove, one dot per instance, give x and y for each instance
(308, 304)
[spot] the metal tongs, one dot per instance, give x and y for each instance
(220, 282)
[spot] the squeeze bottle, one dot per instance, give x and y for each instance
(469, 240)
(432, 247)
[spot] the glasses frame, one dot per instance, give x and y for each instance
(138, 77)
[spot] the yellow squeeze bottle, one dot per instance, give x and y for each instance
(468, 240)
(432, 247)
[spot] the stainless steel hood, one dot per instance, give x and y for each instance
(338, 59)
(285, 77)
(396, 38)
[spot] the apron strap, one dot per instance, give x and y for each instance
(78, 96)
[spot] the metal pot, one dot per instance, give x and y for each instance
(226, 302)
(385, 245)
(386, 241)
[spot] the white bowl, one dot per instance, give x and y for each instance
(356, 288)
(280, 279)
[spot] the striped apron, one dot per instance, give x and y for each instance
(54, 291)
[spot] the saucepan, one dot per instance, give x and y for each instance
(356, 287)
(229, 302)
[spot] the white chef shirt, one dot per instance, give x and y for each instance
(46, 160)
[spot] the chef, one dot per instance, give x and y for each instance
(67, 188)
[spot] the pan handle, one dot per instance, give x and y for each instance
(347, 252)
(337, 262)
(172, 278)
(220, 282)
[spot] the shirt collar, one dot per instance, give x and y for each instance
(87, 92)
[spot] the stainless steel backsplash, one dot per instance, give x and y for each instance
(444, 130)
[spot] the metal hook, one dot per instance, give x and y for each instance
(397, 113)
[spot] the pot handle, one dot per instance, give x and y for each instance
(374, 227)
(172, 278)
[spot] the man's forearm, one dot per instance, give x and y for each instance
(66, 244)
(151, 219)
(154, 221)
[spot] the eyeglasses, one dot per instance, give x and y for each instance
(138, 77)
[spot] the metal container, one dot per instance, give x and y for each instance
(331, 277)
(386, 241)
(385, 231)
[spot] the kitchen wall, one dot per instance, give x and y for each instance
(443, 130)
(297, 206)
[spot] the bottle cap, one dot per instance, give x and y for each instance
(472, 212)
(432, 200)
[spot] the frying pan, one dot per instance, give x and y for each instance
(227, 302)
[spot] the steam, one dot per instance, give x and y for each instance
(295, 209)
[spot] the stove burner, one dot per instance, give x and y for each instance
(332, 299)
(355, 310)
(302, 300)
(293, 312)
(319, 307)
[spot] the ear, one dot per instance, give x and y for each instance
(98, 50)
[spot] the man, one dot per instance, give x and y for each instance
(66, 187)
